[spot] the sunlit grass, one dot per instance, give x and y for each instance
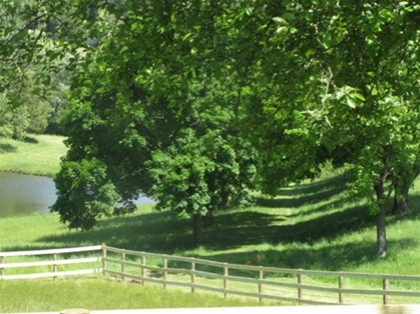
(99, 293)
(37, 155)
(313, 225)
(332, 232)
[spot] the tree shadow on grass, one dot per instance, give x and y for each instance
(31, 140)
(243, 228)
(158, 232)
(330, 257)
(162, 232)
(315, 186)
(7, 148)
(297, 202)
(305, 194)
(342, 202)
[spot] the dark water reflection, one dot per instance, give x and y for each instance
(23, 194)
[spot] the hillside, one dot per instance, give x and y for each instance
(37, 155)
(315, 225)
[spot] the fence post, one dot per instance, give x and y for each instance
(103, 259)
(385, 286)
(225, 278)
(192, 275)
(300, 282)
(340, 286)
(260, 277)
(55, 266)
(142, 267)
(123, 265)
(165, 271)
(2, 269)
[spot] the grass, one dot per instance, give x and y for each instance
(100, 294)
(313, 225)
(327, 230)
(37, 155)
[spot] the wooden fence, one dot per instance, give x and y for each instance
(49, 259)
(289, 285)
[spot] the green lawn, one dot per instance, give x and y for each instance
(98, 293)
(37, 154)
(300, 228)
(313, 225)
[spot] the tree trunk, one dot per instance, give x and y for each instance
(381, 232)
(208, 218)
(401, 192)
(400, 207)
(380, 220)
(197, 229)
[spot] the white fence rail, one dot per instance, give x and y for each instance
(50, 259)
(290, 285)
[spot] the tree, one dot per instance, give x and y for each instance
(316, 81)
(157, 124)
(31, 60)
(349, 73)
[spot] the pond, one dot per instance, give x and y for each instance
(24, 194)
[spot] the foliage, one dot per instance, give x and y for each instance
(154, 126)
(346, 89)
(13, 121)
(31, 58)
(85, 193)
(30, 112)
(305, 82)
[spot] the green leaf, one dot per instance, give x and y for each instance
(280, 20)
(310, 52)
(46, 79)
(351, 102)
(359, 96)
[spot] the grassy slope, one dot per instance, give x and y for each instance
(38, 155)
(300, 229)
(314, 225)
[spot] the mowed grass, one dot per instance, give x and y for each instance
(37, 155)
(300, 228)
(99, 293)
(93, 292)
(313, 225)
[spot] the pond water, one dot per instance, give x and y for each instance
(23, 194)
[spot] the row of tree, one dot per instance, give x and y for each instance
(196, 103)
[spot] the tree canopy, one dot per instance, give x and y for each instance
(349, 73)
(195, 103)
(154, 123)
